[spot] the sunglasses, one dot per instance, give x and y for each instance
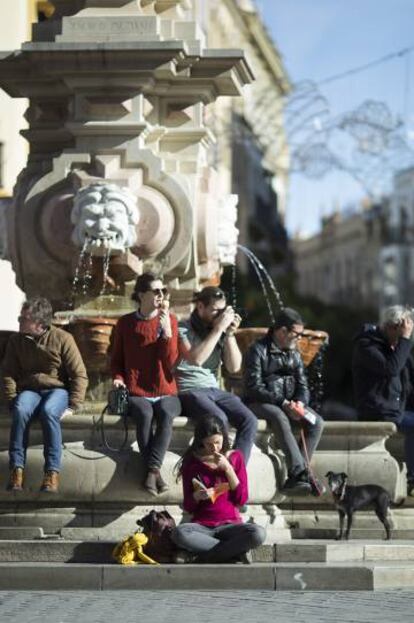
(159, 291)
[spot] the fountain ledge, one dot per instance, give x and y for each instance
(100, 488)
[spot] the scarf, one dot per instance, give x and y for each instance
(201, 330)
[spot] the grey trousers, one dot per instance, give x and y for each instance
(219, 543)
(284, 430)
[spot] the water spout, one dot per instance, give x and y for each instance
(82, 274)
(105, 271)
(265, 280)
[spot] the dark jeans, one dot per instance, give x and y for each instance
(219, 543)
(47, 405)
(284, 430)
(406, 426)
(228, 408)
(153, 444)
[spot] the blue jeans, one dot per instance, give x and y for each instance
(226, 407)
(406, 426)
(47, 405)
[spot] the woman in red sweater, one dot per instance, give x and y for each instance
(214, 486)
(145, 350)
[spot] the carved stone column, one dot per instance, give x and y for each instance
(117, 92)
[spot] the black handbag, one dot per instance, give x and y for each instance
(117, 405)
(118, 401)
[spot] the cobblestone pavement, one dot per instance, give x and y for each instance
(206, 607)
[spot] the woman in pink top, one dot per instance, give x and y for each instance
(214, 486)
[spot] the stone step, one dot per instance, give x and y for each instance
(344, 551)
(28, 532)
(280, 576)
(100, 552)
(357, 534)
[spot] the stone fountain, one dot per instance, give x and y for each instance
(117, 92)
(118, 168)
(117, 182)
(117, 177)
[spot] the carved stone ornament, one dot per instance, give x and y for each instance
(104, 218)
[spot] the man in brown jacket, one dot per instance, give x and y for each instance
(43, 377)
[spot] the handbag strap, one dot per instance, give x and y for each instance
(103, 434)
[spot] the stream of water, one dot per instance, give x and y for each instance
(265, 280)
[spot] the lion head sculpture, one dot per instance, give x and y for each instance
(104, 218)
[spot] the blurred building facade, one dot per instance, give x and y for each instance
(251, 152)
(397, 256)
(342, 263)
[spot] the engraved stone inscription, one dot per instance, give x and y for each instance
(139, 26)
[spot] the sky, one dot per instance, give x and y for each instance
(321, 38)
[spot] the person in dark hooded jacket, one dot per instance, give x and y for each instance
(381, 374)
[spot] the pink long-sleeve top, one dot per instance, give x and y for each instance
(225, 508)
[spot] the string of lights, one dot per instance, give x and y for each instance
(355, 70)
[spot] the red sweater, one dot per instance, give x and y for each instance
(142, 358)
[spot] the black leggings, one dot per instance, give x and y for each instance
(153, 444)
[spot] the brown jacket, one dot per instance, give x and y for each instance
(50, 361)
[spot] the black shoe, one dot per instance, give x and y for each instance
(299, 482)
(410, 488)
(150, 482)
(183, 557)
(246, 558)
(162, 486)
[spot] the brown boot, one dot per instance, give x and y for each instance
(161, 484)
(16, 479)
(150, 482)
(50, 482)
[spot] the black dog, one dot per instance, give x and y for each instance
(349, 499)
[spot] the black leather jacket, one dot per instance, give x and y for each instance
(273, 375)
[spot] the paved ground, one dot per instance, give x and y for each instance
(206, 607)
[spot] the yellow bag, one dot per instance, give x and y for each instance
(130, 551)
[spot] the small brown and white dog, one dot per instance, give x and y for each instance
(349, 499)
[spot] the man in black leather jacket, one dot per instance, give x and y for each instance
(276, 389)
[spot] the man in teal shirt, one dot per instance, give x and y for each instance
(207, 339)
